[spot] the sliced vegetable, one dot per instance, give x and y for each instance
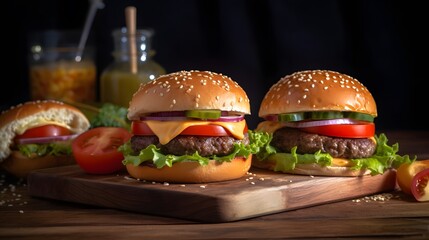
(359, 116)
(206, 115)
(141, 128)
(304, 124)
(203, 114)
(96, 151)
(319, 115)
(41, 140)
(44, 131)
(406, 172)
(324, 115)
(291, 117)
(420, 186)
(344, 130)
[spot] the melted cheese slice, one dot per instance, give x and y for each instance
(341, 162)
(167, 130)
(269, 126)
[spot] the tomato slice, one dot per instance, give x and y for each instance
(44, 131)
(420, 186)
(406, 172)
(141, 128)
(95, 150)
(344, 130)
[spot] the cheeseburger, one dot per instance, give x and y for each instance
(322, 123)
(38, 134)
(188, 127)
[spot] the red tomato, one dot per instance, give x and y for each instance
(406, 172)
(420, 186)
(44, 131)
(344, 130)
(141, 128)
(96, 151)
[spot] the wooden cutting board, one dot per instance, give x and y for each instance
(261, 192)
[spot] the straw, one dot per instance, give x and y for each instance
(95, 4)
(130, 17)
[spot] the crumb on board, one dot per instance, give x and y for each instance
(382, 197)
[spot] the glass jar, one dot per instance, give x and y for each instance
(55, 72)
(117, 82)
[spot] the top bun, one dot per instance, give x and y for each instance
(189, 90)
(21, 117)
(317, 90)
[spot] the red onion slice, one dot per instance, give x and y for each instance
(228, 119)
(304, 124)
(178, 116)
(45, 139)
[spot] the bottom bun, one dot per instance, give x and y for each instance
(193, 172)
(315, 169)
(20, 165)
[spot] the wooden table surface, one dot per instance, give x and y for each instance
(385, 215)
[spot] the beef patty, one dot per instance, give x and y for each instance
(286, 138)
(181, 145)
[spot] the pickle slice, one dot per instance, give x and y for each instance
(359, 116)
(291, 117)
(323, 115)
(203, 114)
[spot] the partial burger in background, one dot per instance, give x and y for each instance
(321, 122)
(189, 126)
(38, 134)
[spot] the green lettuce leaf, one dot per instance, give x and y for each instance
(385, 157)
(153, 154)
(38, 150)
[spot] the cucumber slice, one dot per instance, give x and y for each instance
(323, 115)
(291, 117)
(203, 114)
(359, 116)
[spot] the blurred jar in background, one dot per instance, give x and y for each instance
(117, 82)
(56, 73)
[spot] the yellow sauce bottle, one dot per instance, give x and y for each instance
(117, 82)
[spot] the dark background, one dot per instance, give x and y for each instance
(381, 43)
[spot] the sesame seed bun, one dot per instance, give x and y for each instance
(193, 172)
(189, 90)
(22, 117)
(317, 90)
(314, 169)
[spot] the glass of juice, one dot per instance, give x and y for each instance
(117, 82)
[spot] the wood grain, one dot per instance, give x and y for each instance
(259, 193)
